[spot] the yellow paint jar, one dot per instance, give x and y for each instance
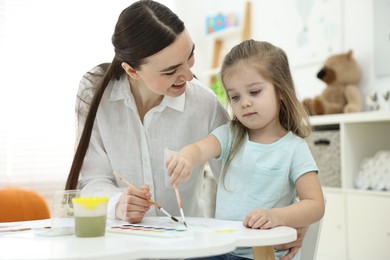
(90, 216)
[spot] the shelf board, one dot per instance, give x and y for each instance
(211, 72)
(225, 33)
(385, 194)
(368, 116)
(344, 191)
(333, 190)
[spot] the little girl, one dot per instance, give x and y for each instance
(267, 163)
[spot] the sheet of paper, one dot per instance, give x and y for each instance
(194, 224)
(22, 226)
(166, 227)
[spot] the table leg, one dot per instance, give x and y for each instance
(263, 253)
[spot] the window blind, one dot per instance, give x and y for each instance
(45, 48)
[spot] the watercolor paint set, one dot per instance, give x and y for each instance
(145, 230)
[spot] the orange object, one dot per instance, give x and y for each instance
(17, 204)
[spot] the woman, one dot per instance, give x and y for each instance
(146, 99)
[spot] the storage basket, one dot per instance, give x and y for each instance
(324, 144)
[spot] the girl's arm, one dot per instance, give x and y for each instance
(180, 166)
(309, 209)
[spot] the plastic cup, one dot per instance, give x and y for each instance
(90, 216)
(62, 209)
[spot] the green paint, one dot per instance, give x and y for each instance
(90, 226)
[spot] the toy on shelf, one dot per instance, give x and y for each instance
(378, 101)
(341, 74)
(220, 22)
(374, 173)
(227, 27)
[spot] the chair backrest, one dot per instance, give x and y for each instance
(18, 204)
(310, 241)
(312, 236)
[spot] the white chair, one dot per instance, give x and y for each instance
(310, 241)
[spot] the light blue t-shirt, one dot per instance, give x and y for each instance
(260, 175)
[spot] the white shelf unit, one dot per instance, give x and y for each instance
(227, 38)
(356, 224)
(222, 41)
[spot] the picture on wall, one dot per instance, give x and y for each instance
(381, 37)
(312, 32)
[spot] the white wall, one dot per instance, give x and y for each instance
(356, 34)
(48, 46)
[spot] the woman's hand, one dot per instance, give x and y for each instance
(133, 203)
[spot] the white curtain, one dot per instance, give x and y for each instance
(45, 48)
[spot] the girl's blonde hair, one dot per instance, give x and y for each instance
(272, 64)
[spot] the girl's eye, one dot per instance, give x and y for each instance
(255, 93)
(234, 98)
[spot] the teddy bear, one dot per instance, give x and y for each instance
(341, 74)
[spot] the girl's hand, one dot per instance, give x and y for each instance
(179, 168)
(261, 219)
(133, 203)
(294, 246)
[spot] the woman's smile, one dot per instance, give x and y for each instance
(179, 85)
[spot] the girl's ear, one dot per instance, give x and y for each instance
(129, 70)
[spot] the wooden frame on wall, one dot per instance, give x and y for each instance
(220, 39)
(381, 30)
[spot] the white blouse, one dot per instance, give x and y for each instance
(121, 142)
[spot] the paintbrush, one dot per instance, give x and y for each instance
(20, 229)
(164, 211)
(168, 152)
(15, 230)
(180, 206)
(116, 174)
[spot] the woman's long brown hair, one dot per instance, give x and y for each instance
(143, 29)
